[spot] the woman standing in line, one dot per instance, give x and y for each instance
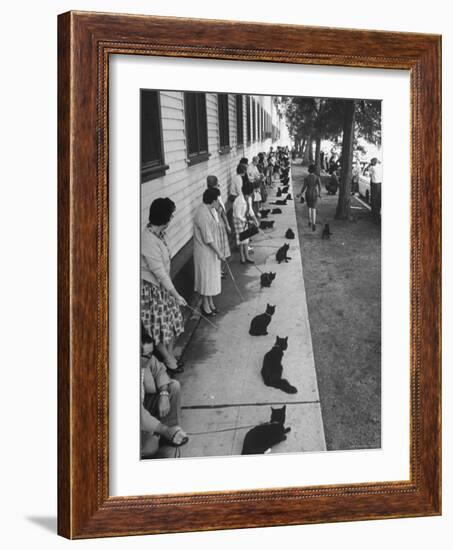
(242, 213)
(312, 185)
(207, 255)
(224, 226)
(160, 301)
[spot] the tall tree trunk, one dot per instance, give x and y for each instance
(318, 155)
(344, 199)
(311, 158)
(302, 147)
(307, 155)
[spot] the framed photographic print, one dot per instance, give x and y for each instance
(249, 317)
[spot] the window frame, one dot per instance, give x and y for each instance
(253, 109)
(248, 119)
(239, 120)
(155, 168)
(200, 155)
(223, 117)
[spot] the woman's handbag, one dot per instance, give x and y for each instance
(249, 232)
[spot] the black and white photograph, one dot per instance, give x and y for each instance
(260, 267)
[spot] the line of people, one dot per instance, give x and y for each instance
(161, 316)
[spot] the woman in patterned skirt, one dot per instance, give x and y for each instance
(224, 226)
(160, 301)
(242, 215)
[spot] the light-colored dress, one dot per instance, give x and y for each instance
(236, 185)
(242, 212)
(206, 261)
(224, 244)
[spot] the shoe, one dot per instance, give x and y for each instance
(178, 369)
(313, 227)
(309, 224)
(183, 441)
(205, 313)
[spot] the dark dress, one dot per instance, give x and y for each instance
(311, 183)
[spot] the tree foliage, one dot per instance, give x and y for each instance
(316, 119)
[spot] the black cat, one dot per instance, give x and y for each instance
(289, 234)
(261, 438)
(279, 192)
(284, 180)
(326, 232)
(267, 224)
(276, 211)
(289, 197)
(259, 324)
(267, 278)
(280, 202)
(272, 367)
(285, 189)
(265, 212)
(281, 255)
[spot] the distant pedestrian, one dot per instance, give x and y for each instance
(207, 256)
(312, 188)
(332, 184)
(375, 171)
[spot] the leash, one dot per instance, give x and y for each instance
(222, 430)
(234, 282)
(230, 334)
(203, 317)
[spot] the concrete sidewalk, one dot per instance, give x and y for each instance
(223, 394)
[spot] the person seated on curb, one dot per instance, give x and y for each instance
(333, 184)
(160, 404)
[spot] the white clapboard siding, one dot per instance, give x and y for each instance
(185, 184)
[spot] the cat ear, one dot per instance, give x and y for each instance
(286, 339)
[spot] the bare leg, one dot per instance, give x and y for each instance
(246, 252)
(211, 302)
(205, 304)
(313, 216)
(243, 252)
(167, 356)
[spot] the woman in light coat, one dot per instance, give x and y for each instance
(207, 256)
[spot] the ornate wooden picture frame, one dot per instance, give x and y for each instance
(86, 40)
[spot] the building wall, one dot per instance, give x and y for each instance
(185, 184)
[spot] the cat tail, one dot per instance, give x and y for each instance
(284, 385)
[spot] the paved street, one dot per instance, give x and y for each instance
(222, 389)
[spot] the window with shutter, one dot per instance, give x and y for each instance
(152, 163)
(196, 127)
(253, 120)
(224, 123)
(239, 120)
(248, 120)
